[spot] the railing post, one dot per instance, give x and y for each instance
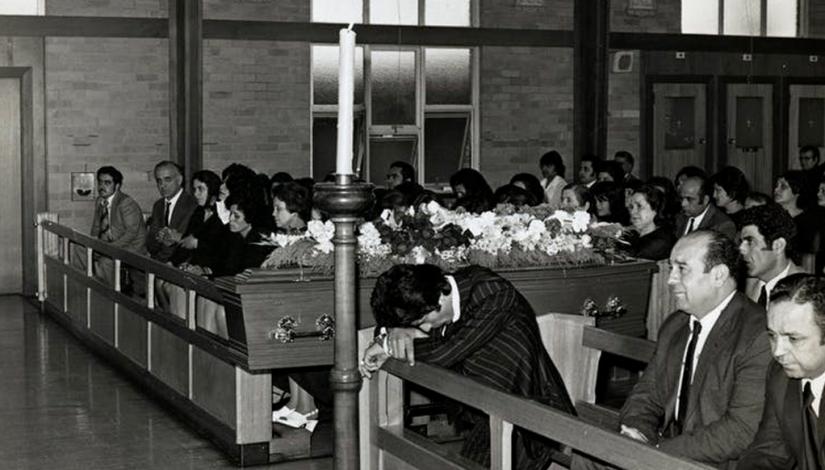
(501, 444)
(344, 201)
(118, 287)
(41, 266)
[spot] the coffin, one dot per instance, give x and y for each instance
(260, 303)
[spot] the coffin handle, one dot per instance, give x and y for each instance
(286, 330)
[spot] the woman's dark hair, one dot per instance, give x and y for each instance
(515, 195)
(237, 170)
(613, 193)
(655, 198)
(406, 292)
(553, 158)
(672, 204)
(280, 178)
(478, 192)
(531, 184)
(760, 199)
(296, 197)
(733, 181)
(795, 179)
(613, 168)
(253, 210)
(407, 170)
(212, 182)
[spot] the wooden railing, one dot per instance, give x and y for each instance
(385, 441)
(203, 376)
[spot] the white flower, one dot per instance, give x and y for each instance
(581, 220)
(419, 254)
(369, 241)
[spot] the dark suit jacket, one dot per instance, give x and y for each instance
(179, 221)
(779, 441)
(126, 227)
(713, 220)
(496, 342)
(726, 396)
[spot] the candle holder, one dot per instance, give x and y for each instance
(345, 201)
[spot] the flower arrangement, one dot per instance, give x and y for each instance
(503, 238)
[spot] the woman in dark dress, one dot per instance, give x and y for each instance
(472, 191)
(730, 189)
(808, 220)
(202, 243)
(651, 238)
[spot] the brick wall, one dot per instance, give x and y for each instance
(623, 111)
(816, 18)
(107, 103)
(261, 10)
(256, 103)
(664, 17)
(135, 8)
(256, 107)
(526, 107)
(525, 14)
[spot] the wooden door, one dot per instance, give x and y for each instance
(11, 255)
(806, 125)
(679, 123)
(749, 133)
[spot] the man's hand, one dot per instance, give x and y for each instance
(374, 358)
(633, 433)
(190, 242)
(400, 343)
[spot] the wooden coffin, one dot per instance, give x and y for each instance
(260, 303)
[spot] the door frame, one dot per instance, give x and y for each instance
(779, 105)
(787, 82)
(648, 100)
(27, 174)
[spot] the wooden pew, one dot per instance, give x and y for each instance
(386, 444)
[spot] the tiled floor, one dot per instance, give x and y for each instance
(62, 407)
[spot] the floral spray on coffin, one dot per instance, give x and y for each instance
(507, 237)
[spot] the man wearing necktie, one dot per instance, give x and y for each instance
(698, 211)
(701, 395)
(766, 248)
(117, 220)
(170, 213)
(792, 431)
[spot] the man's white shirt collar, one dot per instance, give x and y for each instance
(697, 220)
(172, 203)
(708, 322)
(773, 282)
(456, 298)
(816, 387)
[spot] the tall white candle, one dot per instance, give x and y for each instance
(346, 94)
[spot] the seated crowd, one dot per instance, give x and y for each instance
(737, 377)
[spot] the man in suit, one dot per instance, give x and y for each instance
(117, 220)
(766, 248)
(698, 212)
(627, 161)
(476, 323)
(701, 394)
(170, 213)
(791, 432)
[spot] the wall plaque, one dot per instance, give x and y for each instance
(680, 116)
(749, 119)
(812, 122)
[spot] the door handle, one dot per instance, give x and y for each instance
(731, 141)
(702, 141)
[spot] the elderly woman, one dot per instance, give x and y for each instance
(652, 238)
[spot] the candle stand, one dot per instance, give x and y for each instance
(345, 201)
